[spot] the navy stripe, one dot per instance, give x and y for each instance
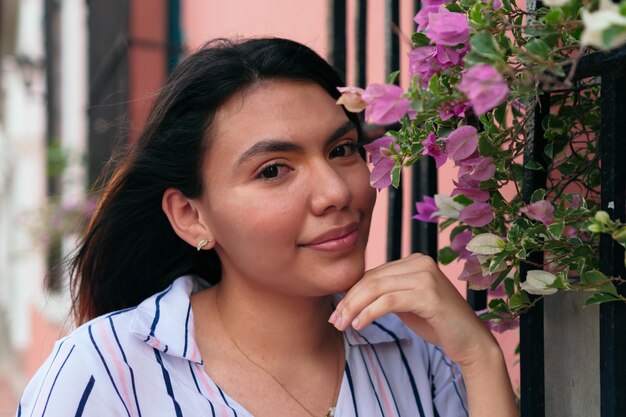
(157, 314)
(351, 384)
(225, 400)
(187, 329)
(130, 369)
(106, 367)
(55, 380)
(47, 371)
(456, 388)
(19, 409)
(84, 397)
(168, 383)
(195, 381)
(405, 362)
(433, 389)
(383, 371)
(380, 406)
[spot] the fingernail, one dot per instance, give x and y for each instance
(333, 317)
(356, 322)
(338, 322)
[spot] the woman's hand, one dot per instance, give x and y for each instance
(417, 291)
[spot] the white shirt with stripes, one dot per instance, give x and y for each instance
(144, 361)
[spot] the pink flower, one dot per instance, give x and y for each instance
(458, 243)
(453, 109)
(433, 149)
(385, 104)
(428, 6)
(423, 62)
(426, 210)
(380, 157)
(484, 86)
(469, 188)
(477, 214)
(504, 323)
(542, 211)
(447, 56)
(477, 168)
(447, 28)
(570, 232)
(462, 142)
(352, 99)
(473, 274)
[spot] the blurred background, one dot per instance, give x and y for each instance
(77, 78)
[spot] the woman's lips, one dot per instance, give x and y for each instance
(344, 241)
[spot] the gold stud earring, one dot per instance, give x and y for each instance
(203, 243)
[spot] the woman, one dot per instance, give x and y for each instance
(205, 282)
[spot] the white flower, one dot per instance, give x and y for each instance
(596, 23)
(555, 3)
(447, 207)
(486, 244)
(537, 282)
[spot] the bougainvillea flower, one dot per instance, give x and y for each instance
(385, 103)
(473, 274)
(380, 157)
(422, 62)
(426, 210)
(462, 142)
(431, 148)
(428, 6)
(447, 56)
(484, 86)
(469, 188)
(542, 211)
(447, 28)
(477, 168)
(477, 214)
(447, 207)
(352, 99)
(453, 109)
(538, 282)
(504, 323)
(459, 242)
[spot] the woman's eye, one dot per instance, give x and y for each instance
(343, 150)
(272, 172)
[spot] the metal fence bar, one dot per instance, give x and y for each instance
(392, 60)
(337, 35)
(532, 374)
(360, 32)
(613, 200)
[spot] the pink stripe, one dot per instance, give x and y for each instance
(47, 385)
(211, 392)
(119, 366)
(387, 406)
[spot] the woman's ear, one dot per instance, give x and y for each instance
(185, 218)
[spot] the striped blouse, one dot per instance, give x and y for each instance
(144, 361)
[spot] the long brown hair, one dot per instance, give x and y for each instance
(129, 250)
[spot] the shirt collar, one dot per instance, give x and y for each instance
(165, 322)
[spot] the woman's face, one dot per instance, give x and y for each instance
(287, 197)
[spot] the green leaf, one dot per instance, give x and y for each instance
(548, 151)
(396, 174)
(538, 195)
(500, 113)
(485, 45)
(463, 200)
(613, 36)
(519, 300)
(534, 165)
(496, 261)
(592, 277)
(509, 287)
(556, 229)
(420, 39)
(447, 255)
(475, 13)
(599, 299)
(485, 148)
(554, 16)
(567, 168)
(500, 278)
(497, 201)
(444, 224)
(538, 48)
(458, 229)
(391, 78)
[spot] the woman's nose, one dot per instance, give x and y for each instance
(330, 189)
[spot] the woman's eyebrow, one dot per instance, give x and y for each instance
(276, 145)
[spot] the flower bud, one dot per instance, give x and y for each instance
(594, 228)
(620, 235)
(538, 282)
(602, 216)
(486, 244)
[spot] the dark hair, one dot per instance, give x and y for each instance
(129, 250)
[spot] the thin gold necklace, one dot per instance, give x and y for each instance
(331, 409)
